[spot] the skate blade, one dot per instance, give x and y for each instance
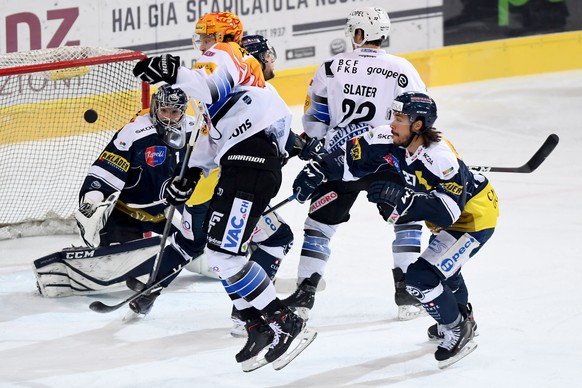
(132, 316)
(238, 331)
(303, 340)
(255, 362)
(467, 349)
(408, 312)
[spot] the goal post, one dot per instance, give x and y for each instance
(59, 108)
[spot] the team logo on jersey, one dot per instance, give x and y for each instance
(392, 161)
(114, 160)
(155, 155)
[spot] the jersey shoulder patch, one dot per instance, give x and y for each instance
(137, 129)
(441, 160)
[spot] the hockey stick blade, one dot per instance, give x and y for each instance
(535, 161)
(100, 307)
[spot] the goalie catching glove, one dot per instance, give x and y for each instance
(92, 215)
(155, 69)
(180, 189)
(391, 199)
(307, 181)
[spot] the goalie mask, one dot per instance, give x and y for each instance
(167, 111)
(373, 21)
(418, 106)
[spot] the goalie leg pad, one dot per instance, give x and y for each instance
(85, 271)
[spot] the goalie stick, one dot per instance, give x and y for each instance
(100, 307)
(535, 161)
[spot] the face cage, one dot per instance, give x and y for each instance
(171, 132)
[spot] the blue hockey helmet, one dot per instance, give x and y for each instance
(258, 46)
(170, 127)
(418, 106)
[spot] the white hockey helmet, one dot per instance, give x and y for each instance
(374, 21)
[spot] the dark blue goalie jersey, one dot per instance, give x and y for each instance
(139, 164)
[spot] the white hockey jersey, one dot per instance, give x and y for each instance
(355, 87)
(246, 112)
(231, 83)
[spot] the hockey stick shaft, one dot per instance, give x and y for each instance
(535, 161)
(171, 209)
(277, 206)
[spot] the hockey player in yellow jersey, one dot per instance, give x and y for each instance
(459, 205)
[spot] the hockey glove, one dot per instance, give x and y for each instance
(307, 181)
(180, 189)
(92, 215)
(392, 200)
(155, 69)
(385, 192)
(313, 148)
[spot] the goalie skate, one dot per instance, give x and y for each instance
(301, 342)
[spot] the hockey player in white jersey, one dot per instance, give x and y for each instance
(354, 88)
(247, 138)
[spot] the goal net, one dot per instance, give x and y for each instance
(60, 107)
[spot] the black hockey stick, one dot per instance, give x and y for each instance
(101, 307)
(194, 137)
(277, 206)
(532, 164)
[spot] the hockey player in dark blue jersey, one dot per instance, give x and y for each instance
(138, 163)
(459, 206)
(123, 196)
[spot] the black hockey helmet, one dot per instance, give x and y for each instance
(418, 106)
(258, 46)
(170, 130)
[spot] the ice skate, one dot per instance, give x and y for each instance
(408, 306)
(457, 343)
(291, 337)
(259, 337)
(435, 332)
(143, 304)
(303, 299)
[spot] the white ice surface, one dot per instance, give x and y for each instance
(523, 284)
